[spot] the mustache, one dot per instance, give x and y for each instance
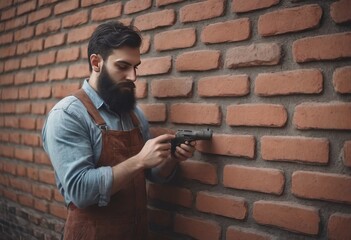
(125, 84)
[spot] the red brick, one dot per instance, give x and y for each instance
(31, 46)
(58, 73)
(46, 2)
(80, 70)
(48, 26)
(33, 173)
(201, 11)
(12, 64)
(41, 191)
(25, 200)
(230, 31)
(160, 217)
(335, 115)
(87, 3)
(174, 39)
(160, 3)
(174, 87)
(55, 40)
(141, 88)
(4, 4)
(23, 107)
(40, 205)
(322, 186)
(80, 34)
(58, 210)
(286, 215)
(202, 60)
(24, 33)
(106, 12)
(324, 47)
(38, 108)
(67, 6)
(29, 62)
(25, 154)
(197, 228)
(8, 13)
(220, 204)
(238, 233)
(199, 171)
(195, 113)
(145, 45)
(47, 176)
(249, 178)
(63, 90)
(10, 194)
(240, 6)
(39, 15)
(27, 123)
(16, 23)
(253, 55)
(154, 112)
(40, 157)
(339, 226)
(40, 92)
(347, 154)
(295, 149)
(306, 81)
(224, 86)
(9, 167)
(290, 20)
(155, 20)
(342, 80)
(68, 54)
(26, 7)
(24, 78)
(75, 19)
(229, 145)
(134, 6)
(261, 115)
(46, 58)
(7, 52)
(340, 11)
(154, 65)
(173, 195)
(23, 93)
(6, 38)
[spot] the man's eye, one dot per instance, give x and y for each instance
(123, 67)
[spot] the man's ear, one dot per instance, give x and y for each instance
(96, 62)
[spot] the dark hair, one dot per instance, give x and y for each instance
(112, 35)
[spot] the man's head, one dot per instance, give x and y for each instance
(114, 55)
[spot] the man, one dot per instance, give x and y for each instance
(100, 147)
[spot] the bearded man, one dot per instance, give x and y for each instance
(100, 146)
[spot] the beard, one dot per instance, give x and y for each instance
(120, 97)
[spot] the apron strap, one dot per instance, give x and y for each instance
(93, 112)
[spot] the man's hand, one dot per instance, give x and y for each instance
(155, 151)
(185, 151)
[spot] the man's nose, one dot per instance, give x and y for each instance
(132, 74)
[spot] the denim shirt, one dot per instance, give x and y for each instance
(74, 142)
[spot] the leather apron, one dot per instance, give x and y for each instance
(125, 216)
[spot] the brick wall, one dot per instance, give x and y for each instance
(272, 78)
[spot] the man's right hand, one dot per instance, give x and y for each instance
(155, 151)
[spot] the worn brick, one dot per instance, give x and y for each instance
(107, 12)
(340, 11)
(65, 7)
(80, 34)
(155, 20)
(134, 6)
(75, 19)
(154, 112)
(259, 54)
(347, 153)
(175, 195)
(154, 65)
(199, 171)
(239, 233)
(160, 3)
(339, 226)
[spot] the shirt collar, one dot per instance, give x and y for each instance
(93, 95)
